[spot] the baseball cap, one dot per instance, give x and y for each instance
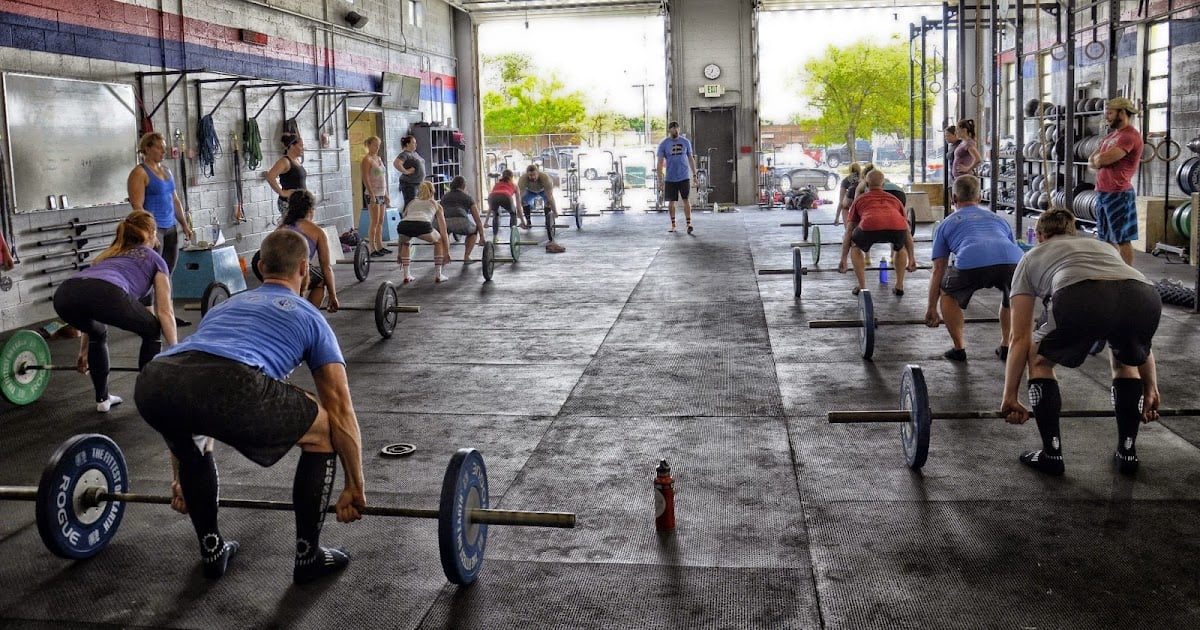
(1121, 102)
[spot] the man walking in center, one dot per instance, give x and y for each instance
(1115, 161)
(676, 169)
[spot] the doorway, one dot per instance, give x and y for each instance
(713, 136)
(366, 126)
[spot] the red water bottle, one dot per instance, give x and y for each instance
(664, 498)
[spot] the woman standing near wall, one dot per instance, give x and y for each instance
(374, 177)
(288, 174)
(966, 154)
(151, 188)
(411, 166)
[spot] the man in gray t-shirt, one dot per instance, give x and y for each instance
(1089, 293)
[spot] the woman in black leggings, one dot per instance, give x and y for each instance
(108, 293)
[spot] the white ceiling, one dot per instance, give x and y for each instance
(522, 9)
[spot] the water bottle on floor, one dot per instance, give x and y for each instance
(883, 270)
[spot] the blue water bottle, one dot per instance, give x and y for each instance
(883, 269)
(1029, 235)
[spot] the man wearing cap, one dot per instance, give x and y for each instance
(1115, 161)
(676, 162)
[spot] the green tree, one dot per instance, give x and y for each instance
(857, 90)
(601, 124)
(528, 104)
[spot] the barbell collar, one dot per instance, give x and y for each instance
(565, 520)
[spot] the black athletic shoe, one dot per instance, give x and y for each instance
(955, 354)
(327, 561)
(216, 567)
(1049, 464)
(182, 322)
(1126, 463)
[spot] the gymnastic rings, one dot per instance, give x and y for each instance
(1094, 50)
(977, 90)
(935, 87)
(1059, 52)
(1166, 155)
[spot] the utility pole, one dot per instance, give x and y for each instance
(645, 112)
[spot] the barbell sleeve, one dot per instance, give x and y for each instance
(901, 415)
(21, 369)
(565, 520)
(858, 323)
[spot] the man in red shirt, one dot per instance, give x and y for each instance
(877, 216)
(1115, 161)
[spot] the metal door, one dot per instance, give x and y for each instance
(712, 135)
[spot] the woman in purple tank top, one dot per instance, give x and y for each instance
(108, 293)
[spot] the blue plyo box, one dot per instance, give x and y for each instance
(196, 269)
(391, 219)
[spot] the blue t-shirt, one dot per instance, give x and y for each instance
(676, 151)
(160, 198)
(977, 237)
(132, 271)
(270, 328)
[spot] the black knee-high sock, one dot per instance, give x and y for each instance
(98, 366)
(198, 476)
(310, 495)
(1127, 403)
(1047, 404)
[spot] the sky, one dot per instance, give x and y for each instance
(605, 57)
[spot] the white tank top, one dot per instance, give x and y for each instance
(420, 210)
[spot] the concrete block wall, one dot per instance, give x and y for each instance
(309, 43)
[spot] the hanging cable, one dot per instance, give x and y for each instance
(210, 145)
(253, 144)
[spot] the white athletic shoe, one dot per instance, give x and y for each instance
(112, 401)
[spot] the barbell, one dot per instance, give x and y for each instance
(80, 501)
(798, 270)
(916, 416)
(867, 323)
(814, 239)
(362, 256)
(385, 307)
(25, 367)
(805, 223)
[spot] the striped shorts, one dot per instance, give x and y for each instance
(1116, 217)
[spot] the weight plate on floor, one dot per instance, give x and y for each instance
(24, 348)
(514, 243)
(399, 449)
(914, 434)
(489, 260)
(866, 336)
(815, 239)
(214, 294)
(578, 216)
(797, 272)
(254, 265)
(912, 221)
(460, 541)
(385, 318)
(362, 261)
(83, 462)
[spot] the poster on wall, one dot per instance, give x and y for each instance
(71, 143)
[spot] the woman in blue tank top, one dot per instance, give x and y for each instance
(151, 189)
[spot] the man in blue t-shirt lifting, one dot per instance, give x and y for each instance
(226, 382)
(985, 256)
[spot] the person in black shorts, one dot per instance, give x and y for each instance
(462, 215)
(226, 382)
(1091, 294)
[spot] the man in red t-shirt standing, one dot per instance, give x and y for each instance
(877, 216)
(1115, 161)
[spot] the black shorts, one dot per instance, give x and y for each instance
(501, 200)
(414, 229)
(196, 393)
(673, 191)
(864, 239)
(1124, 313)
(961, 284)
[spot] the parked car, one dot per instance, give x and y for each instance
(838, 155)
(795, 178)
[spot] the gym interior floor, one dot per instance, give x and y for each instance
(574, 374)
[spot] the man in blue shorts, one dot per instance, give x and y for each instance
(1090, 293)
(676, 168)
(1115, 162)
(226, 382)
(985, 256)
